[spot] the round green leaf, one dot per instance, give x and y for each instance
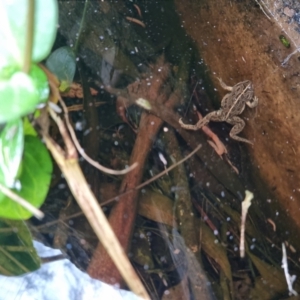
(20, 94)
(62, 63)
(13, 35)
(34, 180)
(11, 150)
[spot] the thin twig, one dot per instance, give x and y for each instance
(71, 151)
(89, 205)
(134, 20)
(120, 195)
(153, 178)
(289, 279)
(245, 206)
(289, 56)
(81, 26)
(262, 9)
(21, 201)
(138, 10)
(83, 154)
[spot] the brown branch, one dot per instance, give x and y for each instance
(88, 203)
(147, 182)
(123, 214)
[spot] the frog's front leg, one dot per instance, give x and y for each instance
(238, 126)
(252, 103)
(224, 85)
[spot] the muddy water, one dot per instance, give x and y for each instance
(238, 42)
(233, 40)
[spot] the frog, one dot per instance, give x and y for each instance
(232, 105)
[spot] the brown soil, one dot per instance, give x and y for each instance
(238, 42)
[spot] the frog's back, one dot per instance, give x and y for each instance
(235, 101)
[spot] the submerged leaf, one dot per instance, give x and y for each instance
(156, 207)
(62, 63)
(17, 254)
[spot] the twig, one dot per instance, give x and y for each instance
(272, 223)
(77, 107)
(13, 196)
(89, 205)
(134, 20)
(245, 206)
(289, 56)
(289, 279)
(262, 9)
(120, 195)
(81, 26)
(83, 154)
(138, 10)
(153, 178)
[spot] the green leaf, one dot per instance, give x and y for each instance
(41, 82)
(34, 180)
(62, 63)
(285, 41)
(11, 150)
(20, 94)
(17, 254)
(28, 128)
(13, 35)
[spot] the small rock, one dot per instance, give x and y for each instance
(288, 12)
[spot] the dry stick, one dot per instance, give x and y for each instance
(154, 177)
(122, 216)
(84, 155)
(134, 20)
(245, 206)
(13, 196)
(289, 279)
(88, 203)
(78, 214)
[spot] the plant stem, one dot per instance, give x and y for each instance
(29, 36)
(81, 26)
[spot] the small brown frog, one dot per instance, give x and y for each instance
(232, 105)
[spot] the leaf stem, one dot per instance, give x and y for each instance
(81, 26)
(29, 36)
(13, 196)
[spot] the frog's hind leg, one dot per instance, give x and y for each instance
(202, 122)
(188, 126)
(238, 126)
